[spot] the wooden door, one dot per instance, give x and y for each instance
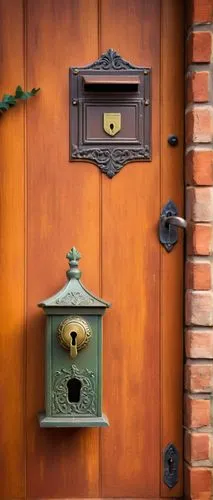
(49, 204)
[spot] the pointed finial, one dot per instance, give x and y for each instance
(73, 256)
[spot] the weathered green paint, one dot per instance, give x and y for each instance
(73, 300)
(73, 421)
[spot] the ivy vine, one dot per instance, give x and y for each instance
(8, 100)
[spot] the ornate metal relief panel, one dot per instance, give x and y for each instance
(108, 87)
(87, 404)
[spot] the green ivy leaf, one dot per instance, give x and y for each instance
(9, 100)
(18, 92)
(4, 106)
(34, 91)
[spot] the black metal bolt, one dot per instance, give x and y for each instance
(173, 140)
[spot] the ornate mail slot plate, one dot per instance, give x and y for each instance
(110, 113)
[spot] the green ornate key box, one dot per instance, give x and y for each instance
(73, 354)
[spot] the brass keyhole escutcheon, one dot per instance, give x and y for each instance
(73, 345)
(74, 334)
(112, 123)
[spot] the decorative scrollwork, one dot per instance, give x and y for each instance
(111, 60)
(88, 400)
(75, 299)
(111, 161)
(134, 142)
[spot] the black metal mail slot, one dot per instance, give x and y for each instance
(110, 111)
(111, 83)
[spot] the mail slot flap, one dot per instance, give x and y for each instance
(117, 80)
(116, 83)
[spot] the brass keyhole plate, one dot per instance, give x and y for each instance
(112, 123)
(79, 326)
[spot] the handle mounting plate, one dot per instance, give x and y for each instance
(168, 235)
(170, 457)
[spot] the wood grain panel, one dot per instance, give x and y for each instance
(12, 332)
(120, 498)
(172, 105)
(131, 279)
(63, 210)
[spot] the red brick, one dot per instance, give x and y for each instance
(203, 11)
(199, 239)
(197, 86)
(196, 446)
(198, 275)
(198, 483)
(199, 344)
(199, 125)
(199, 308)
(198, 377)
(199, 204)
(200, 11)
(199, 167)
(199, 46)
(197, 412)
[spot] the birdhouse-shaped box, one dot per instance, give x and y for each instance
(73, 354)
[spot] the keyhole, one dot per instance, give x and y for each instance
(74, 390)
(171, 464)
(73, 335)
(111, 126)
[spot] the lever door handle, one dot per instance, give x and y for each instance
(168, 224)
(174, 220)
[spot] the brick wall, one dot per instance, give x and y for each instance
(198, 416)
